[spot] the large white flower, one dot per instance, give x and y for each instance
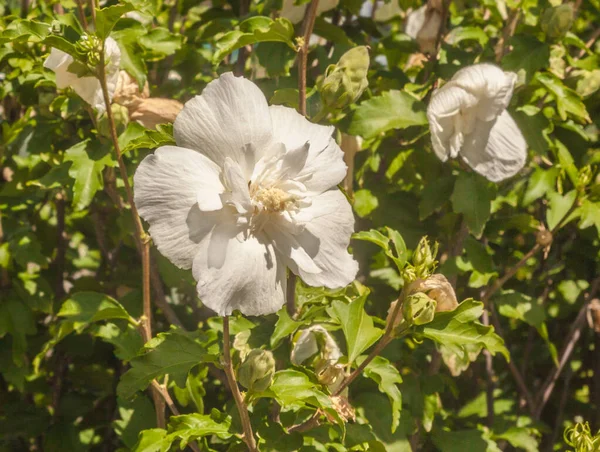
(248, 191)
(468, 118)
(87, 87)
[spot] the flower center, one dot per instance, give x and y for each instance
(272, 199)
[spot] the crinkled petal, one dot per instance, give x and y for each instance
(231, 114)
(251, 278)
(324, 167)
(237, 185)
(325, 238)
(496, 149)
(444, 115)
(166, 187)
(491, 85)
(295, 255)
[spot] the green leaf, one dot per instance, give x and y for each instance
(559, 207)
(393, 245)
(17, 320)
(106, 18)
(356, 324)
(253, 30)
(472, 198)
(455, 329)
(284, 327)
(147, 139)
(535, 127)
(189, 427)
(174, 353)
(520, 438)
(391, 110)
(160, 42)
(83, 308)
(61, 43)
(434, 195)
(461, 440)
(567, 100)
(589, 215)
(459, 34)
(528, 54)
(540, 182)
(566, 162)
(365, 202)
(132, 53)
(127, 343)
(277, 58)
(386, 376)
(135, 415)
(86, 169)
(294, 390)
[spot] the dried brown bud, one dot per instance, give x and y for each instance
(127, 91)
(438, 288)
(544, 238)
(153, 111)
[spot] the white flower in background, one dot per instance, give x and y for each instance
(248, 191)
(88, 87)
(295, 13)
(468, 118)
(424, 25)
(384, 11)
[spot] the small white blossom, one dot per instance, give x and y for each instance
(424, 25)
(295, 13)
(249, 191)
(468, 118)
(87, 87)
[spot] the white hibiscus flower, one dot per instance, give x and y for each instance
(88, 88)
(468, 118)
(248, 191)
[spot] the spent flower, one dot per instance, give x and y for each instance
(257, 370)
(468, 118)
(248, 192)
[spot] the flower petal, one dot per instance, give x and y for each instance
(490, 84)
(329, 225)
(444, 115)
(166, 187)
(231, 114)
(251, 278)
(496, 149)
(324, 167)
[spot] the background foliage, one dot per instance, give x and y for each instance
(74, 370)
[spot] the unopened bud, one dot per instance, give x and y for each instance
(256, 372)
(557, 21)
(345, 81)
(418, 309)
(90, 47)
(423, 259)
(585, 177)
(544, 238)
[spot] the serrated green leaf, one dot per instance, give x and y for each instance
(364, 202)
(387, 377)
(356, 324)
(568, 101)
(540, 182)
(83, 308)
(434, 195)
(455, 329)
(160, 42)
(472, 198)
(174, 353)
(391, 110)
(253, 30)
(284, 327)
(398, 254)
(559, 206)
(106, 18)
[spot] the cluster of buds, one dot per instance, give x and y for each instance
(89, 47)
(557, 21)
(423, 262)
(345, 81)
(257, 370)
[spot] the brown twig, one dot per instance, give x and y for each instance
(235, 390)
(490, 377)
(307, 28)
(81, 12)
(59, 260)
(507, 32)
(92, 4)
(240, 64)
(574, 335)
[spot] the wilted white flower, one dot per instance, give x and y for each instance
(87, 87)
(248, 191)
(467, 117)
(312, 341)
(295, 13)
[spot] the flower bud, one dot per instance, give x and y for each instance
(90, 46)
(418, 309)
(438, 288)
(329, 373)
(544, 237)
(256, 372)
(127, 91)
(423, 259)
(345, 81)
(557, 21)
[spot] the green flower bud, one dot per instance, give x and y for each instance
(345, 81)
(418, 309)
(256, 372)
(557, 21)
(90, 47)
(423, 259)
